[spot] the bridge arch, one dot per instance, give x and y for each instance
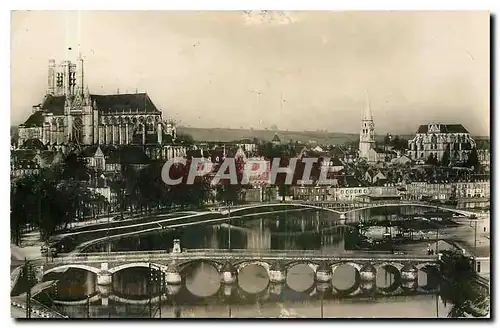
(355, 209)
(242, 264)
(357, 277)
(288, 266)
(73, 266)
(394, 265)
(422, 266)
(395, 269)
(431, 280)
(124, 300)
(184, 265)
(236, 210)
(136, 265)
(78, 302)
(441, 208)
(356, 266)
(311, 264)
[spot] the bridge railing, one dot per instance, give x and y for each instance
(231, 254)
(68, 255)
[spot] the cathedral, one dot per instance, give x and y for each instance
(436, 139)
(71, 117)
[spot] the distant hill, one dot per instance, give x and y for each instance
(226, 135)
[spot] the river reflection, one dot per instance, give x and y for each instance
(201, 288)
(290, 230)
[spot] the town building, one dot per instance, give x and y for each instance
(311, 193)
(248, 145)
(108, 158)
(473, 203)
(30, 161)
(402, 160)
(437, 138)
(423, 190)
(349, 194)
(483, 156)
(276, 140)
(475, 189)
(70, 116)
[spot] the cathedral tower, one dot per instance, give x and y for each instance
(51, 87)
(367, 132)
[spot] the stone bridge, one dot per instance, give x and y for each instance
(230, 263)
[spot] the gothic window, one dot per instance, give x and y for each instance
(150, 128)
(78, 130)
(72, 81)
(59, 80)
(138, 131)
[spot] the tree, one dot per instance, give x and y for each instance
(185, 139)
(458, 271)
(473, 160)
(387, 140)
(45, 201)
(399, 143)
(445, 160)
(431, 160)
(75, 167)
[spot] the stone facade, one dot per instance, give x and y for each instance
(436, 138)
(69, 115)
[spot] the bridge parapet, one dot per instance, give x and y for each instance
(276, 263)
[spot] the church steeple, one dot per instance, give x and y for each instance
(367, 132)
(80, 86)
(368, 116)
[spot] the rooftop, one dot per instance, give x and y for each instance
(444, 128)
(132, 102)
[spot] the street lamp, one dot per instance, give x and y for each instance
(475, 239)
(27, 276)
(229, 228)
(159, 279)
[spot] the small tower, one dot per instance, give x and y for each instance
(276, 140)
(51, 87)
(177, 246)
(367, 132)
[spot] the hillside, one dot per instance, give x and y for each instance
(225, 135)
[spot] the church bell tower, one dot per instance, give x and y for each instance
(367, 132)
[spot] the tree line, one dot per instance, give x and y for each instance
(51, 199)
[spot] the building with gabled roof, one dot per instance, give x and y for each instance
(276, 139)
(437, 138)
(111, 158)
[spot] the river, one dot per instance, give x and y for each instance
(201, 294)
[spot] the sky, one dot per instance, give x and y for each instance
(255, 69)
